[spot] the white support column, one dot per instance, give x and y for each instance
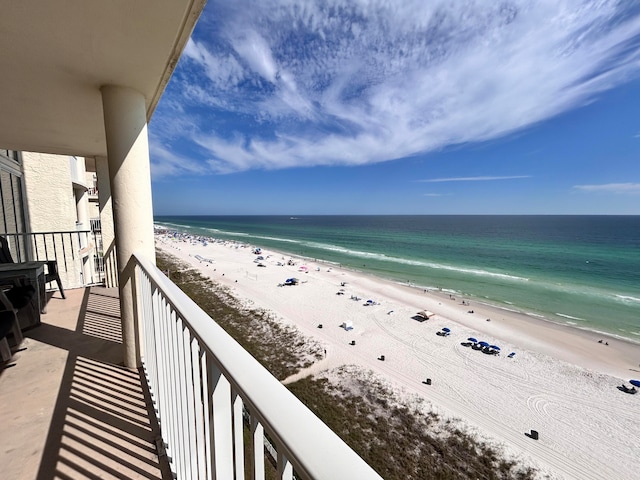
(87, 250)
(125, 124)
(106, 223)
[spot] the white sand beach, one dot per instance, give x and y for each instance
(561, 381)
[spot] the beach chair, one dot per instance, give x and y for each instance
(511, 355)
(625, 389)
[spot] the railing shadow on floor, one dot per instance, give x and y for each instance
(102, 425)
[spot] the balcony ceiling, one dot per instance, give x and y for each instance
(56, 55)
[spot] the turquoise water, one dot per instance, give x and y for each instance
(579, 270)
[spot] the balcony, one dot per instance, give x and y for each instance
(204, 402)
(70, 410)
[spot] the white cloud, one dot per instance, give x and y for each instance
(167, 163)
(473, 179)
(617, 188)
(223, 70)
(351, 83)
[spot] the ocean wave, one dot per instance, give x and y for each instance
(509, 309)
(169, 224)
(564, 315)
(276, 239)
(627, 298)
(346, 251)
(417, 263)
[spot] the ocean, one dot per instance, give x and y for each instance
(578, 270)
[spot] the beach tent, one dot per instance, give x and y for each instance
(291, 281)
(635, 383)
(347, 326)
(426, 314)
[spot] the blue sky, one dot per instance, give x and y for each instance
(403, 107)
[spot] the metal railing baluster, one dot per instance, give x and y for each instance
(201, 380)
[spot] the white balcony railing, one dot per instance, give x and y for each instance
(201, 381)
(69, 249)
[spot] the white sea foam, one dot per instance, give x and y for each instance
(418, 263)
(277, 239)
(569, 316)
(509, 309)
(627, 298)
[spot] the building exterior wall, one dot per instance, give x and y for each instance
(57, 199)
(49, 192)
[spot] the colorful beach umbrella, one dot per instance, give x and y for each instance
(635, 383)
(471, 339)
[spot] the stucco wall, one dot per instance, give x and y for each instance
(51, 205)
(49, 192)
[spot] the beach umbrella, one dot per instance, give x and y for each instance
(635, 383)
(484, 344)
(495, 347)
(471, 339)
(445, 329)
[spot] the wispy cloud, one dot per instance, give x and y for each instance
(618, 188)
(435, 194)
(278, 84)
(473, 179)
(167, 163)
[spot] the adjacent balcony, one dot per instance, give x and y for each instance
(78, 253)
(199, 407)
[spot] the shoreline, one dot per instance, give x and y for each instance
(559, 376)
(561, 319)
(629, 358)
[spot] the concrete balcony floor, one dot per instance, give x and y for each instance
(68, 408)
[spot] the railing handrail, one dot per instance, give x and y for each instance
(69, 248)
(48, 232)
(312, 447)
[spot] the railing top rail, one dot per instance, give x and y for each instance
(26, 234)
(311, 446)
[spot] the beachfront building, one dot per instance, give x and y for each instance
(133, 382)
(62, 219)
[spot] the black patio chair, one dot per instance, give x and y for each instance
(52, 266)
(8, 323)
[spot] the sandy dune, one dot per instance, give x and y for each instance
(561, 382)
